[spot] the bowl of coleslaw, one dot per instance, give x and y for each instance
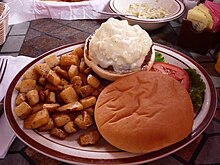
(149, 14)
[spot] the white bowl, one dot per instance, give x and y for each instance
(175, 7)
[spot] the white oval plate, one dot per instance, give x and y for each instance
(69, 151)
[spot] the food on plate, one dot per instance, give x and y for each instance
(58, 96)
(117, 49)
(147, 113)
(147, 11)
(176, 72)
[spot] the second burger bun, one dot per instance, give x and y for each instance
(109, 74)
(144, 112)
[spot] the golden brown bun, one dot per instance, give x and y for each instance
(144, 112)
(111, 75)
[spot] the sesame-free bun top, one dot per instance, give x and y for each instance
(144, 112)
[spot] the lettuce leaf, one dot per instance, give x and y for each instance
(197, 88)
(159, 57)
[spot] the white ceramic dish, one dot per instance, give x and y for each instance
(175, 7)
(69, 151)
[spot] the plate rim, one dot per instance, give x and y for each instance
(79, 160)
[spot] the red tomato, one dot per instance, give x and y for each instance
(174, 71)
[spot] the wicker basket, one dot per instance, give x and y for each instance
(4, 12)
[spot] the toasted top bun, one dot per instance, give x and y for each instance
(144, 112)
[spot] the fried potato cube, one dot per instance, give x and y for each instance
(42, 80)
(53, 78)
(77, 83)
(74, 106)
(37, 107)
(87, 71)
(27, 85)
(67, 60)
(78, 51)
(82, 66)
(51, 98)
(50, 125)
(64, 82)
(89, 138)
(61, 72)
(73, 71)
(70, 127)
(31, 74)
(52, 61)
(33, 97)
(69, 95)
(23, 110)
(37, 119)
(86, 90)
(53, 87)
(83, 120)
(51, 107)
(90, 110)
(60, 119)
(59, 133)
(93, 81)
(88, 101)
(42, 68)
(20, 98)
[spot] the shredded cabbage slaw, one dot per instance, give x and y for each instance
(147, 11)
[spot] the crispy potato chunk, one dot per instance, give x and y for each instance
(37, 119)
(63, 73)
(52, 61)
(51, 97)
(67, 60)
(50, 125)
(73, 71)
(61, 119)
(23, 110)
(88, 101)
(59, 133)
(83, 120)
(53, 78)
(37, 107)
(33, 97)
(82, 66)
(77, 83)
(70, 127)
(74, 106)
(42, 68)
(93, 81)
(51, 107)
(78, 51)
(69, 95)
(31, 74)
(86, 90)
(27, 85)
(20, 98)
(89, 138)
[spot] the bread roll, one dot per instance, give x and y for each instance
(144, 112)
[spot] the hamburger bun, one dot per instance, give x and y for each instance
(110, 74)
(117, 49)
(144, 112)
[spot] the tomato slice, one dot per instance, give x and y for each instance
(174, 71)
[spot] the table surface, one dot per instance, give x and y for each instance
(36, 37)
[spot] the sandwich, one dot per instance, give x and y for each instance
(144, 112)
(117, 49)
